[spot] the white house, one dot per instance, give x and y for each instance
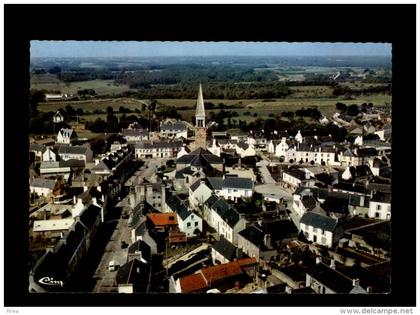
(157, 149)
(310, 153)
(82, 153)
(321, 229)
(42, 187)
(189, 222)
(295, 177)
(299, 137)
(324, 279)
(224, 252)
(199, 193)
(183, 151)
(224, 219)
(384, 134)
(174, 130)
(58, 118)
(278, 148)
(49, 155)
(135, 135)
(358, 140)
(303, 202)
(244, 149)
(231, 188)
(380, 206)
(214, 148)
(66, 136)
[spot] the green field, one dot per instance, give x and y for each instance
(51, 83)
(325, 105)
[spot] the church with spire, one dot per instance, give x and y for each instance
(200, 123)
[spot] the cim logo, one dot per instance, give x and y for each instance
(50, 281)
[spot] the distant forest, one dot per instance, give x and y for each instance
(224, 77)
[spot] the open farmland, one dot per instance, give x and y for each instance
(186, 107)
(101, 87)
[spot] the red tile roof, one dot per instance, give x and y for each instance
(192, 283)
(222, 271)
(163, 219)
(206, 276)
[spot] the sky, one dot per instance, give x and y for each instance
(150, 49)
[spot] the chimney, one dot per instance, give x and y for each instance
(85, 188)
(74, 199)
(369, 290)
(332, 263)
(288, 290)
(96, 161)
(239, 163)
(318, 260)
(356, 282)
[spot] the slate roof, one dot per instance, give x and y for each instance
(89, 216)
(135, 132)
(331, 278)
(382, 197)
(176, 204)
(336, 205)
(222, 208)
(43, 183)
(205, 154)
(296, 173)
(173, 127)
(350, 187)
(225, 248)
(196, 184)
(37, 147)
(255, 235)
(309, 202)
(65, 149)
(134, 272)
(360, 171)
(319, 221)
(218, 183)
(243, 145)
(140, 246)
(364, 152)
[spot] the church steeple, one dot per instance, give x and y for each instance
(200, 115)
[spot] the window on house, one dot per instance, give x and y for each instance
(378, 207)
(377, 214)
(188, 224)
(196, 224)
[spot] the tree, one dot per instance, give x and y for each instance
(109, 110)
(353, 110)
(34, 98)
(341, 107)
(54, 70)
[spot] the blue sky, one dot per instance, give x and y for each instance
(147, 49)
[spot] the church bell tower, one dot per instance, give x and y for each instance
(200, 122)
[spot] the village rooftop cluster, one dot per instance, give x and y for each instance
(185, 210)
